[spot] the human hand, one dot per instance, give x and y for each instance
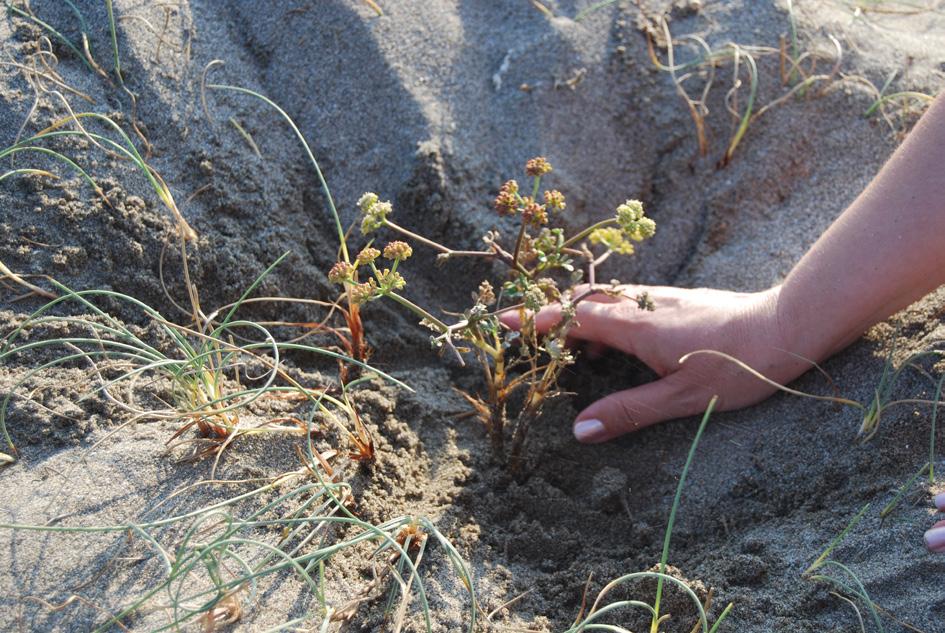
(742, 325)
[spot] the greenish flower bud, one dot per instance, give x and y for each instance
(366, 201)
(534, 298)
(391, 280)
(612, 238)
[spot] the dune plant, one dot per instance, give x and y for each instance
(594, 619)
(881, 400)
(119, 145)
(201, 365)
(798, 71)
(215, 559)
(849, 583)
(901, 109)
(541, 264)
(84, 54)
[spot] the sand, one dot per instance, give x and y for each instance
(433, 105)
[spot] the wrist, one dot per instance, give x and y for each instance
(813, 332)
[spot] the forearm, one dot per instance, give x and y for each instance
(884, 252)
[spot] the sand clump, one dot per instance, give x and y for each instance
(434, 105)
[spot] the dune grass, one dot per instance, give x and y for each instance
(797, 72)
(119, 145)
(201, 366)
(592, 621)
(215, 559)
(850, 584)
(84, 54)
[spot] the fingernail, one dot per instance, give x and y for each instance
(939, 501)
(589, 430)
(935, 539)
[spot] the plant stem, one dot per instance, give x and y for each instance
(419, 238)
(938, 395)
(521, 231)
(413, 307)
(488, 254)
(518, 245)
(580, 236)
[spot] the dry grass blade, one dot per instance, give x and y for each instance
(246, 136)
(12, 276)
(375, 7)
(767, 380)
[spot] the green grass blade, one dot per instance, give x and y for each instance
(654, 624)
(308, 151)
(887, 510)
(836, 541)
(59, 36)
(937, 398)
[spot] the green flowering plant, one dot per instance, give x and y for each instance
(541, 263)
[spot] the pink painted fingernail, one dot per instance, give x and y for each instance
(935, 539)
(589, 430)
(939, 501)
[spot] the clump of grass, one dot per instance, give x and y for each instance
(542, 265)
(201, 366)
(39, 145)
(84, 54)
(901, 109)
(850, 583)
(216, 558)
(122, 148)
(882, 399)
(592, 620)
(702, 67)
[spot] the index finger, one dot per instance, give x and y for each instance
(597, 319)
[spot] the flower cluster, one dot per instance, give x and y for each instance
(534, 213)
(362, 293)
(631, 219)
(534, 298)
(506, 203)
(485, 295)
(632, 226)
(613, 239)
(397, 250)
(537, 167)
(383, 281)
(511, 202)
(375, 212)
(341, 272)
(554, 199)
(367, 255)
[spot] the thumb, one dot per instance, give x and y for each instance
(633, 409)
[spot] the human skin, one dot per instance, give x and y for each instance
(884, 252)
